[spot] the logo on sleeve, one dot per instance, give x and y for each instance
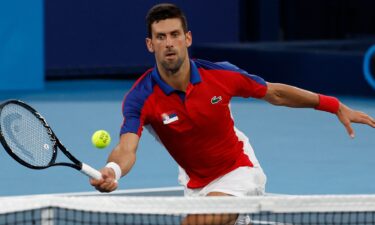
(216, 99)
(169, 118)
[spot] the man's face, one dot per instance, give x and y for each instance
(169, 43)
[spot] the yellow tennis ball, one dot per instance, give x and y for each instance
(101, 139)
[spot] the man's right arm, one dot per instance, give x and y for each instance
(124, 155)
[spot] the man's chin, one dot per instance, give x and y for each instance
(173, 70)
(172, 67)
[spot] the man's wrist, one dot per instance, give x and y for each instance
(116, 168)
(328, 104)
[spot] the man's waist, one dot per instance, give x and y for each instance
(200, 177)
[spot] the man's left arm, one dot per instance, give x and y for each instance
(286, 95)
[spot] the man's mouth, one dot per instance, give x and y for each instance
(170, 54)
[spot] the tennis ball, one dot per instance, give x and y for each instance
(101, 139)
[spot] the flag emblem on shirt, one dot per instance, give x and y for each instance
(216, 99)
(169, 117)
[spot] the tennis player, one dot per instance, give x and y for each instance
(184, 102)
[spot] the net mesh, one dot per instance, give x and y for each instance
(26, 135)
(282, 210)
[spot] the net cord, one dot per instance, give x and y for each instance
(183, 205)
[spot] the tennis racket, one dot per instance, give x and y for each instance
(28, 139)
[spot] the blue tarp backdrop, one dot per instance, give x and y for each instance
(21, 45)
(87, 39)
(94, 35)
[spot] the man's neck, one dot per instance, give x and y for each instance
(178, 80)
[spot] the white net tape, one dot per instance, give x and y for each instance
(183, 205)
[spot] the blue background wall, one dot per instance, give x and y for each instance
(330, 67)
(21, 45)
(88, 39)
(94, 34)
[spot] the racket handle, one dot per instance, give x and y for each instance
(91, 172)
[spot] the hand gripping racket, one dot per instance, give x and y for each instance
(27, 137)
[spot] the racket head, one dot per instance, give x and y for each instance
(26, 136)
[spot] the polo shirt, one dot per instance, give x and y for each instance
(195, 127)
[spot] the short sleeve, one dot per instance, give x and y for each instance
(243, 84)
(132, 117)
(134, 105)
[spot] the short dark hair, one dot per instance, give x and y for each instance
(164, 11)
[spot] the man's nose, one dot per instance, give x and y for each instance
(169, 42)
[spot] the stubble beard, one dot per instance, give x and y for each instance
(172, 67)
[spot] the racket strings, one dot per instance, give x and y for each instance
(26, 135)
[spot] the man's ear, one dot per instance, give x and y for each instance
(189, 39)
(149, 45)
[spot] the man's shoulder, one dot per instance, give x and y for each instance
(142, 87)
(145, 80)
(209, 65)
(226, 70)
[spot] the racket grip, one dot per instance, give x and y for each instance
(91, 172)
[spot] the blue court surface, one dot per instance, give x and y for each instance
(302, 151)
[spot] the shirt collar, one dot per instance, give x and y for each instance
(195, 78)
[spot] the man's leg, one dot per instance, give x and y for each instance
(243, 181)
(211, 219)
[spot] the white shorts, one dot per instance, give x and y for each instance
(243, 181)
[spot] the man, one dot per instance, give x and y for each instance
(185, 103)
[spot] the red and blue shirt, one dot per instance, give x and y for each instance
(195, 127)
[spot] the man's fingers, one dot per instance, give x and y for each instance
(364, 119)
(108, 185)
(371, 121)
(95, 182)
(358, 117)
(349, 129)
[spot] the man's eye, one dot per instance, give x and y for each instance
(160, 37)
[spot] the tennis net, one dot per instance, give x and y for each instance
(111, 210)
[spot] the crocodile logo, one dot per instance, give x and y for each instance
(216, 99)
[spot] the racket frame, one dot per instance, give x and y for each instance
(56, 142)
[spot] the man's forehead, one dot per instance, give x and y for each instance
(167, 25)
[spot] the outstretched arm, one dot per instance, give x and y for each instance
(286, 95)
(123, 158)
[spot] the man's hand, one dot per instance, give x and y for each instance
(108, 182)
(347, 116)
